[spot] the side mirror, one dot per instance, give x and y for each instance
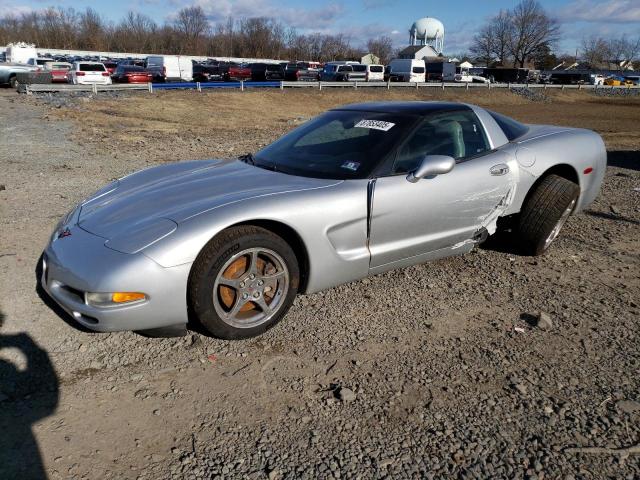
(432, 165)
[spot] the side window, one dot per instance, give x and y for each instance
(456, 134)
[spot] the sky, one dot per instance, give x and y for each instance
(363, 19)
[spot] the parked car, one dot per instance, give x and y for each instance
(110, 66)
(206, 73)
(340, 72)
(9, 71)
(374, 73)
(84, 73)
(261, 72)
(40, 61)
(300, 72)
(407, 70)
(617, 81)
(131, 74)
(634, 79)
(376, 186)
(358, 73)
(170, 68)
(58, 71)
(233, 72)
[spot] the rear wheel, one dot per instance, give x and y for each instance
(545, 213)
(243, 282)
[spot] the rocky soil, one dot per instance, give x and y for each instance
(489, 365)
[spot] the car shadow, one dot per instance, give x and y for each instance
(29, 392)
(611, 216)
(49, 302)
(629, 159)
(503, 241)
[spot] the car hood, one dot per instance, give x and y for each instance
(179, 191)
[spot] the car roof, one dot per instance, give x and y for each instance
(416, 108)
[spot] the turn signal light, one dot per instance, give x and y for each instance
(124, 297)
(588, 170)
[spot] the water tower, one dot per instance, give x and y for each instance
(428, 31)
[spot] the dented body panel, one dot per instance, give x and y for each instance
(151, 226)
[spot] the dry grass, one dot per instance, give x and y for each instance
(231, 122)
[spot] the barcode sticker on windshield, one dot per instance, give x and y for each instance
(375, 125)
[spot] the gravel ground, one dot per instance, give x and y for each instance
(489, 365)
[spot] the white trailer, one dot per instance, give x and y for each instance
(20, 53)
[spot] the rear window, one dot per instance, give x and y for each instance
(345, 68)
(359, 68)
(273, 68)
(91, 67)
(509, 126)
(60, 66)
(376, 69)
(417, 69)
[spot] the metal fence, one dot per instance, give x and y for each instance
(33, 88)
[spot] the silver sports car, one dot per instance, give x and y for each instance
(356, 191)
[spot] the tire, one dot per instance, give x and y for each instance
(13, 82)
(545, 212)
(237, 266)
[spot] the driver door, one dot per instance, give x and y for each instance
(437, 216)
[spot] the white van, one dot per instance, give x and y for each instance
(174, 68)
(407, 70)
(375, 73)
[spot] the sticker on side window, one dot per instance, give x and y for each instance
(353, 166)
(375, 125)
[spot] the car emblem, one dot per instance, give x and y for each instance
(64, 233)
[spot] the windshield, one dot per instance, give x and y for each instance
(91, 67)
(338, 145)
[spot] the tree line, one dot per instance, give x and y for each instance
(522, 36)
(190, 33)
(527, 35)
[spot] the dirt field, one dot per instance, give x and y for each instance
(450, 377)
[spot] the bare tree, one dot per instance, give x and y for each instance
(623, 51)
(531, 27)
(381, 47)
(483, 47)
(501, 27)
(595, 50)
(192, 24)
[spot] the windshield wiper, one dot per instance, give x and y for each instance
(248, 158)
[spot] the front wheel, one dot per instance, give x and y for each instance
(545, 212)
(243, 282)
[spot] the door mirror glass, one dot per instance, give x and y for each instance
(432, 165)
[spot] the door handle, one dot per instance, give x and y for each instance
(500, 169)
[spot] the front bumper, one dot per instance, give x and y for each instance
(80, 263)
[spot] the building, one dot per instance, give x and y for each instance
(420, 52)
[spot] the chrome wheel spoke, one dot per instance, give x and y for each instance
(229, 282)
(240, 302)
(262, 303)
(273, 276)
(559, 224)
(253, 263)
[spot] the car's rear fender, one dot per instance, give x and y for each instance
(575, 154)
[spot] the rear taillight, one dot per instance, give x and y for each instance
(105, 74)
(297, 73)
(164, 71)
(80, 74)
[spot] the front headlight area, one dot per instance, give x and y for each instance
(114, 299)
